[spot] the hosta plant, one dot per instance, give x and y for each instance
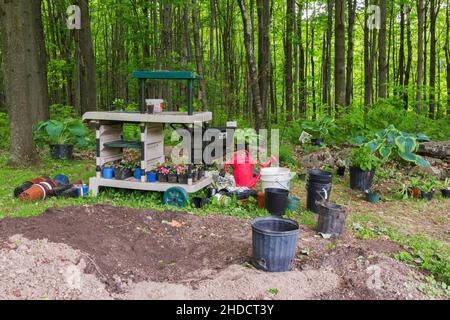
(69, 131)
(392, 143)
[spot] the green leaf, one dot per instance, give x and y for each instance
(375, 145)
(406, 144)
(385, 152)
(54, 129)
(420, 161)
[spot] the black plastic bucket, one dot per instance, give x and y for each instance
(320, 176)
(276, 201)
(332, 219)
(317, 193)
(361, 180)
(274, 243)
(61, 151)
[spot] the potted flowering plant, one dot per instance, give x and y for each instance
(124, 170)
(446, 188)
(182, 173)
(162, 173)
(172, 177)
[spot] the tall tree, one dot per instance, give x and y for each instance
(252, 69)
(339, 65)
(289, 37)
(350, 51)
(17, 28)
(447, 54)
(420, 66)
(86, 87)
(382, 60)
(326, 92)
(198, 54)
(434, 11)
(264, 60)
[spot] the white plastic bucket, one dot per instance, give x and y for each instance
(279, 178)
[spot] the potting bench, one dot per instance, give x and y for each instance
(110, 142)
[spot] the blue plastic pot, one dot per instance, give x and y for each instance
(151, 177)
(137, 173)
(83, 191)
(373, 197)
(108, 173)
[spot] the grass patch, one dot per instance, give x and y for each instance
(419, 250)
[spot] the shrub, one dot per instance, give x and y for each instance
(4, 131)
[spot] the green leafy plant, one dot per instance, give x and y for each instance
(391, 142)
(319, 128)
(428, 185)
(364, 159)
(247, 136)
(68, 131)
(445, 185)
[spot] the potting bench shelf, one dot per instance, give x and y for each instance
(123, 144)
(134, 184)
(111, 143)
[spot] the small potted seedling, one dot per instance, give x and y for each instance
(428, 188)
(182, 173)
(172, 177)
(414, 188)
(124, 170)
(162, 173)
(446, 189)
(319, 129)
(108, 170)
(362, 171)
(341, 167)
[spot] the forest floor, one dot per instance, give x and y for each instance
(128, 246)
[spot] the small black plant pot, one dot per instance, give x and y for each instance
(123, 173)
(199, 202)
(172, 178)
(61, 151)
(317, 142)
(341, 171)
(445, 193)
(183, 178)
(161, 177)
(427, 195)
(361, 180)
(194, 176)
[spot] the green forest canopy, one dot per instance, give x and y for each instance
(208, 35)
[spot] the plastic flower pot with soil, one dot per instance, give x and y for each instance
(182, 174)
(162, 173)
(108, 172)
(446, 189)
(428, 188)
(152, 177)
(123, 172)
(362, 171)
(274, 243)
(61, 136)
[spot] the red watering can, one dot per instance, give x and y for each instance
(243, 167)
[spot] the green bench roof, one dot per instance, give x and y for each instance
(166, 75)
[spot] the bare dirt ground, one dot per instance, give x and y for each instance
(102, 252)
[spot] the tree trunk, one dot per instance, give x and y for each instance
(199, 56)
(339, 65)
(17, 28)
(420, 66)
(434, 11)
(326, 94)
(264, 63)
(290, 16)
(382, 61)
(447, 55)
(409, 61)
(252, 70)
(350, 51)
(85, 63)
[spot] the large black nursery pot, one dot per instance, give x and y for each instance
(446, 193)
(276, 201)
(274, 243)
(361, 180)
(61, 151)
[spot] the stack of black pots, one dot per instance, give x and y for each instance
(319, 189)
